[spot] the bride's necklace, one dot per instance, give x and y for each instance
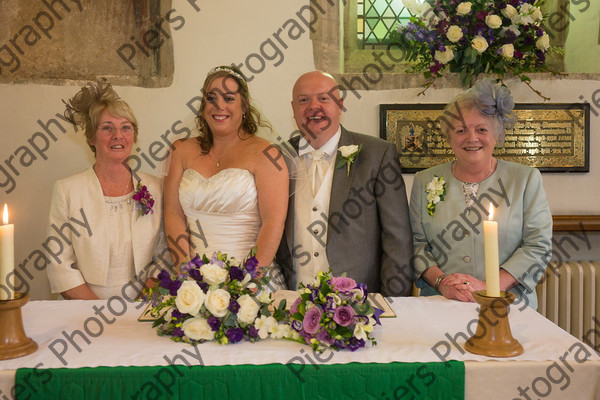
(219, 159)
(454, 170)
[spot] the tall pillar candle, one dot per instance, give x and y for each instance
(7, 257)
(492, 260)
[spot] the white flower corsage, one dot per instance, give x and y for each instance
(436, 189)
(347, 156)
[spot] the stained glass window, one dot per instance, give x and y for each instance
(376, 19)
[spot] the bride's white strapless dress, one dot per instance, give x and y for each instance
(222, 214)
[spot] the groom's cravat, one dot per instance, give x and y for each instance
(317, 169)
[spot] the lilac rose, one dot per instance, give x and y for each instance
(343, 283)
(312, 320)
(294, 307)
(343, 315)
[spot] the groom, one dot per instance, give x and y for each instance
(351, 214)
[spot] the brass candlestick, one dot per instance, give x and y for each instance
(13, 341)
(493, 337)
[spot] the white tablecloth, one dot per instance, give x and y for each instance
(554, 363)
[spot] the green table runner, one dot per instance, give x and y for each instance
(257, 382)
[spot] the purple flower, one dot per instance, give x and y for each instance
(234, 334)
(376, 315)
(324, 337)
(355, 344)
(518, 54)
(253, 332)
(174, 287)
(251, 265)
(236, 273)
(311, 321)
(343, 315)
(234, 306)
(294, 307)
(343, 283)
(177, 332)
(329, 304)
(197, 261)
(296, 325)
(214, 323)
(340, 344)
(143, 199)
(195, 274)
(178, 315)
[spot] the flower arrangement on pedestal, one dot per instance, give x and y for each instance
(333, 312)
(475, 37)
(216, 299)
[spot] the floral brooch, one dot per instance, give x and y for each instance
(143, 199)
(436, 189)
(347, 156)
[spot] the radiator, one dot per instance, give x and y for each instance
(572, 298)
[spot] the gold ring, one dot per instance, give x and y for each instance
(466, 282)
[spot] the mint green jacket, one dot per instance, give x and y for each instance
(453, 237)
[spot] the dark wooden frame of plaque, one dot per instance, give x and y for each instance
(411, 127)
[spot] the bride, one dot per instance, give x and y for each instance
(223, 191)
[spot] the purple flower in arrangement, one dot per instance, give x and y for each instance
(294, 306)
(340, 344)
(214, 323)
(177, 332)
(195, 274)
(329, 304)
(480, 15)
(343, 283)
(343, 315)
(363, 319)
(234, 306)
(324, 337)
(252, 332)
(306, 336)
(541, 57)
(312, 320)
(178, 315)
(197, 262)
(234, 334)
(251, 265)
(296, 325)
(518, 54)
(143, 199)
(376, 315)
(174, 287)
(236, 273)
(355, 344)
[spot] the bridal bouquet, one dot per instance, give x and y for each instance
(334, 312)
(216, 299)
(474, 37)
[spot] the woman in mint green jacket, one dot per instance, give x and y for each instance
(449, 203)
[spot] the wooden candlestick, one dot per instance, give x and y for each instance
(13, 341)
(493, 337)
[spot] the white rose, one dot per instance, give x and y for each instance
(197, 329)
(454, 34)
(493, 21)
(190, 298)
(479, 43)
(213, 274)
(464, 8)
(543, 43)
(509, 11)
(217, 302)
(508, 51)
(537, 14)
(444, 56)
(248, 311)
(347, 151)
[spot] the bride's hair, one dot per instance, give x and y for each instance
(251, 120)
(85, 107)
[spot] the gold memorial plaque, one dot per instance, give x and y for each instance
(550, 137)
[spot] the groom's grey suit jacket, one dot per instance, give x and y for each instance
(368, 234)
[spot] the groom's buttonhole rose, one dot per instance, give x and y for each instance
(349, 150)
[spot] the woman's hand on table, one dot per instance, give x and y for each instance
(464, 282)
(452, 293)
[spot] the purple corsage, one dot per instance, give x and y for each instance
(143, 199)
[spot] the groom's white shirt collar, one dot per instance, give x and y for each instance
(330, 147)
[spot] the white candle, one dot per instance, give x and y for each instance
(492, 260)
(7, 257)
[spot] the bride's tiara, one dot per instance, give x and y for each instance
(229, 71)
